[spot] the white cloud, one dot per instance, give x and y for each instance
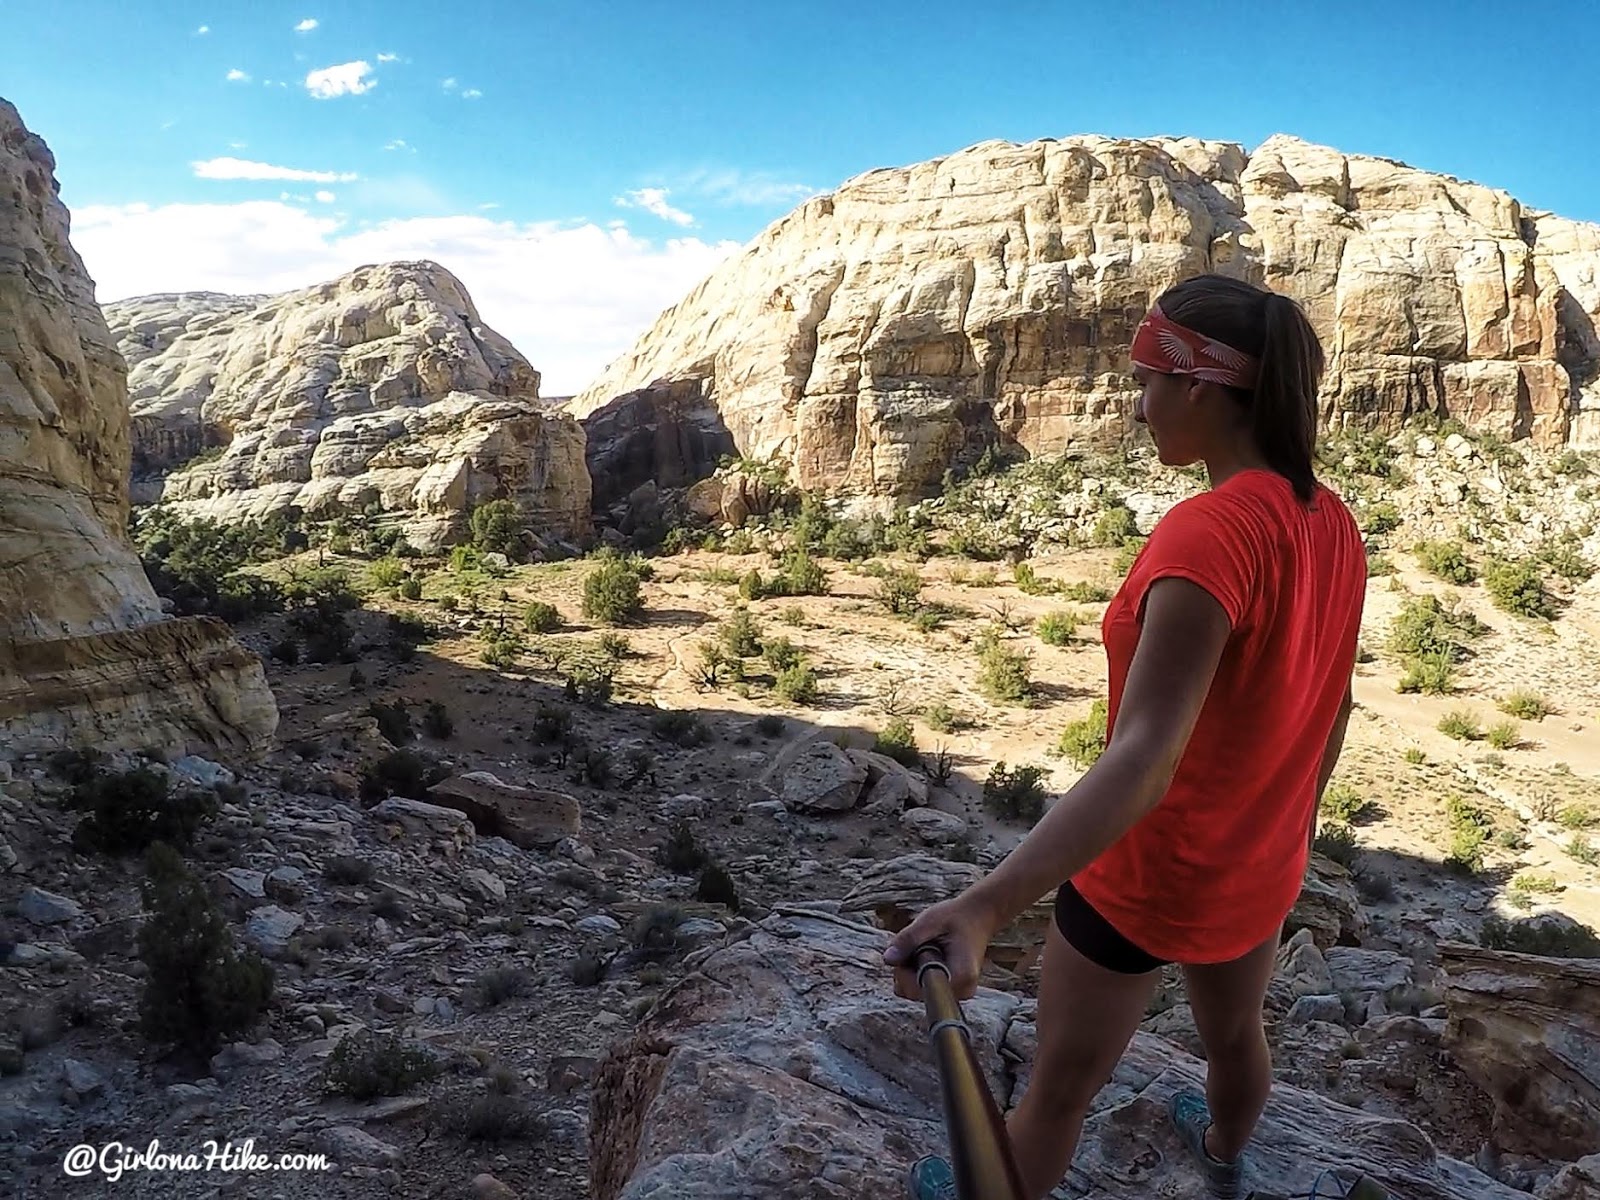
(306, 26)
(752, 189)
(323, 197)
(243, 168)
(237, 145)
(398, 144)
(238, 76)
(202, 31)
(387, 57)
(344, 79)
(654, 201)
(471, 94)
(448, 84)
(571, 298)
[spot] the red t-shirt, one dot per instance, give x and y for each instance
(1211, 872)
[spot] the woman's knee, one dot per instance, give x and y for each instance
(1067, 1084)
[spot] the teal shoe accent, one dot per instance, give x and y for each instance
(1191, 1116)
(931, 1178)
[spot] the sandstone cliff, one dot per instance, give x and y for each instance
(877, 335)
(84, 651)
(382, 387)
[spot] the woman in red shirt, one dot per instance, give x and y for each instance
(1229, 648)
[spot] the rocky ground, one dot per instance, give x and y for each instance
(510, 947)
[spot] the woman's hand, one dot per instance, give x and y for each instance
(962, 930)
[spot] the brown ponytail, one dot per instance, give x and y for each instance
(1272, 328)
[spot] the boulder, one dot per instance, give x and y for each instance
(449, 827)
(934, 827)
(891, 786)
(527, 817)
(1527, 1030)
(785, 1067)
(822, 779)
(1329, 905)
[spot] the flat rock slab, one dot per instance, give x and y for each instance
(785, 1067)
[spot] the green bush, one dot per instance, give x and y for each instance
(1380, 518)
(898, 740)
(716, 886)
(540, 617)
(394, 720)
(1503, 735)
(1015, 795)
(398, 773)
(388, 572)
(1084, 740)
(941, 718)
(681, 852)
(780, 653)
(1461, 725)
(436, 722)
(497, 528)
(1056, 628)
(1447, 560)
(741, 636)
(199, 565)
(198, 989)
(1115, 526)
(127, 811)
(796, 685)
(1562, 555)
(1084, 593)
(1518, 588)
(611, 592)
(1525, 705)
(1427, 627)
(1549, 939)
(1004, 674)
(1433, 674)
(1580, 848)
(680, 728)
(900, 591)
(366, 1066)
(1343, 804)
(1337, 843)
(410, 588)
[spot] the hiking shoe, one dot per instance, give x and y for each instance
(1192, 1117)
(931, 1178)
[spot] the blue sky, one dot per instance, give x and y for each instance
(582, 164)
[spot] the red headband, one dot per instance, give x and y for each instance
(1163, 345)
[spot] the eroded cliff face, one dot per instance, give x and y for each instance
(80, 627)
(878, 335)
(382, 387)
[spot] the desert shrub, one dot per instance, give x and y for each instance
(436, 722)
(1469, 828)
(716, 886)
(127, 811)
(589, 684)
(941, 718)
(366, 1065)
(794, 615)
(541, 617)
(1517, 587)
(1084, 740)
(769, 725)
(410, 588)
(1447, 560)
(1576, 816)
(552, 723)
(898, 740)
(796, 685)
(1374, 886)
(1414, 756)
(1004, 674)
(1550, 939)
(681, 852)
(1535, 884)
(1015, 795)
(387, 572)
(655, 932)
(1503, 735)
(940, 768)
(198, 989)
(348, 869)
(802, 575)
(611, 592)
(1380, 518)
(1525, 705)
(1056, 628)
(1115, 526)
(495, 986)
(680, 728)
(1461, 724)
(1432, 674)
(497, 528)
(199, 565)
(398, 773)
(1084, 592)
(754, 586)
(1583, 850)
(394, 721)
(780, 653)
(1338, 843)
(1562, 555)
(286, 650)
(741, 636)
(588, 968)
(492, 1117)
(615, 646)
(595, 767)
(1343, 804)
(1426, 627)
(501, 650)
(899, 591)
(1378, 564)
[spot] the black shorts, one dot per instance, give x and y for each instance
(1092, 936)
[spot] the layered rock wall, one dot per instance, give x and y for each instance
(85, 654)
(381, 390)
(878, 335)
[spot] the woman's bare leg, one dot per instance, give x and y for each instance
(1086, 1017)
(1227, 999)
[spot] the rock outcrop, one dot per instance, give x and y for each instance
(880, 334)
(381, 391)
(85, 654)
(785, 1067)
(1527, 1030)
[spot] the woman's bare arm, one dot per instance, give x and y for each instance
(1184, 633)
(1330, 756)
